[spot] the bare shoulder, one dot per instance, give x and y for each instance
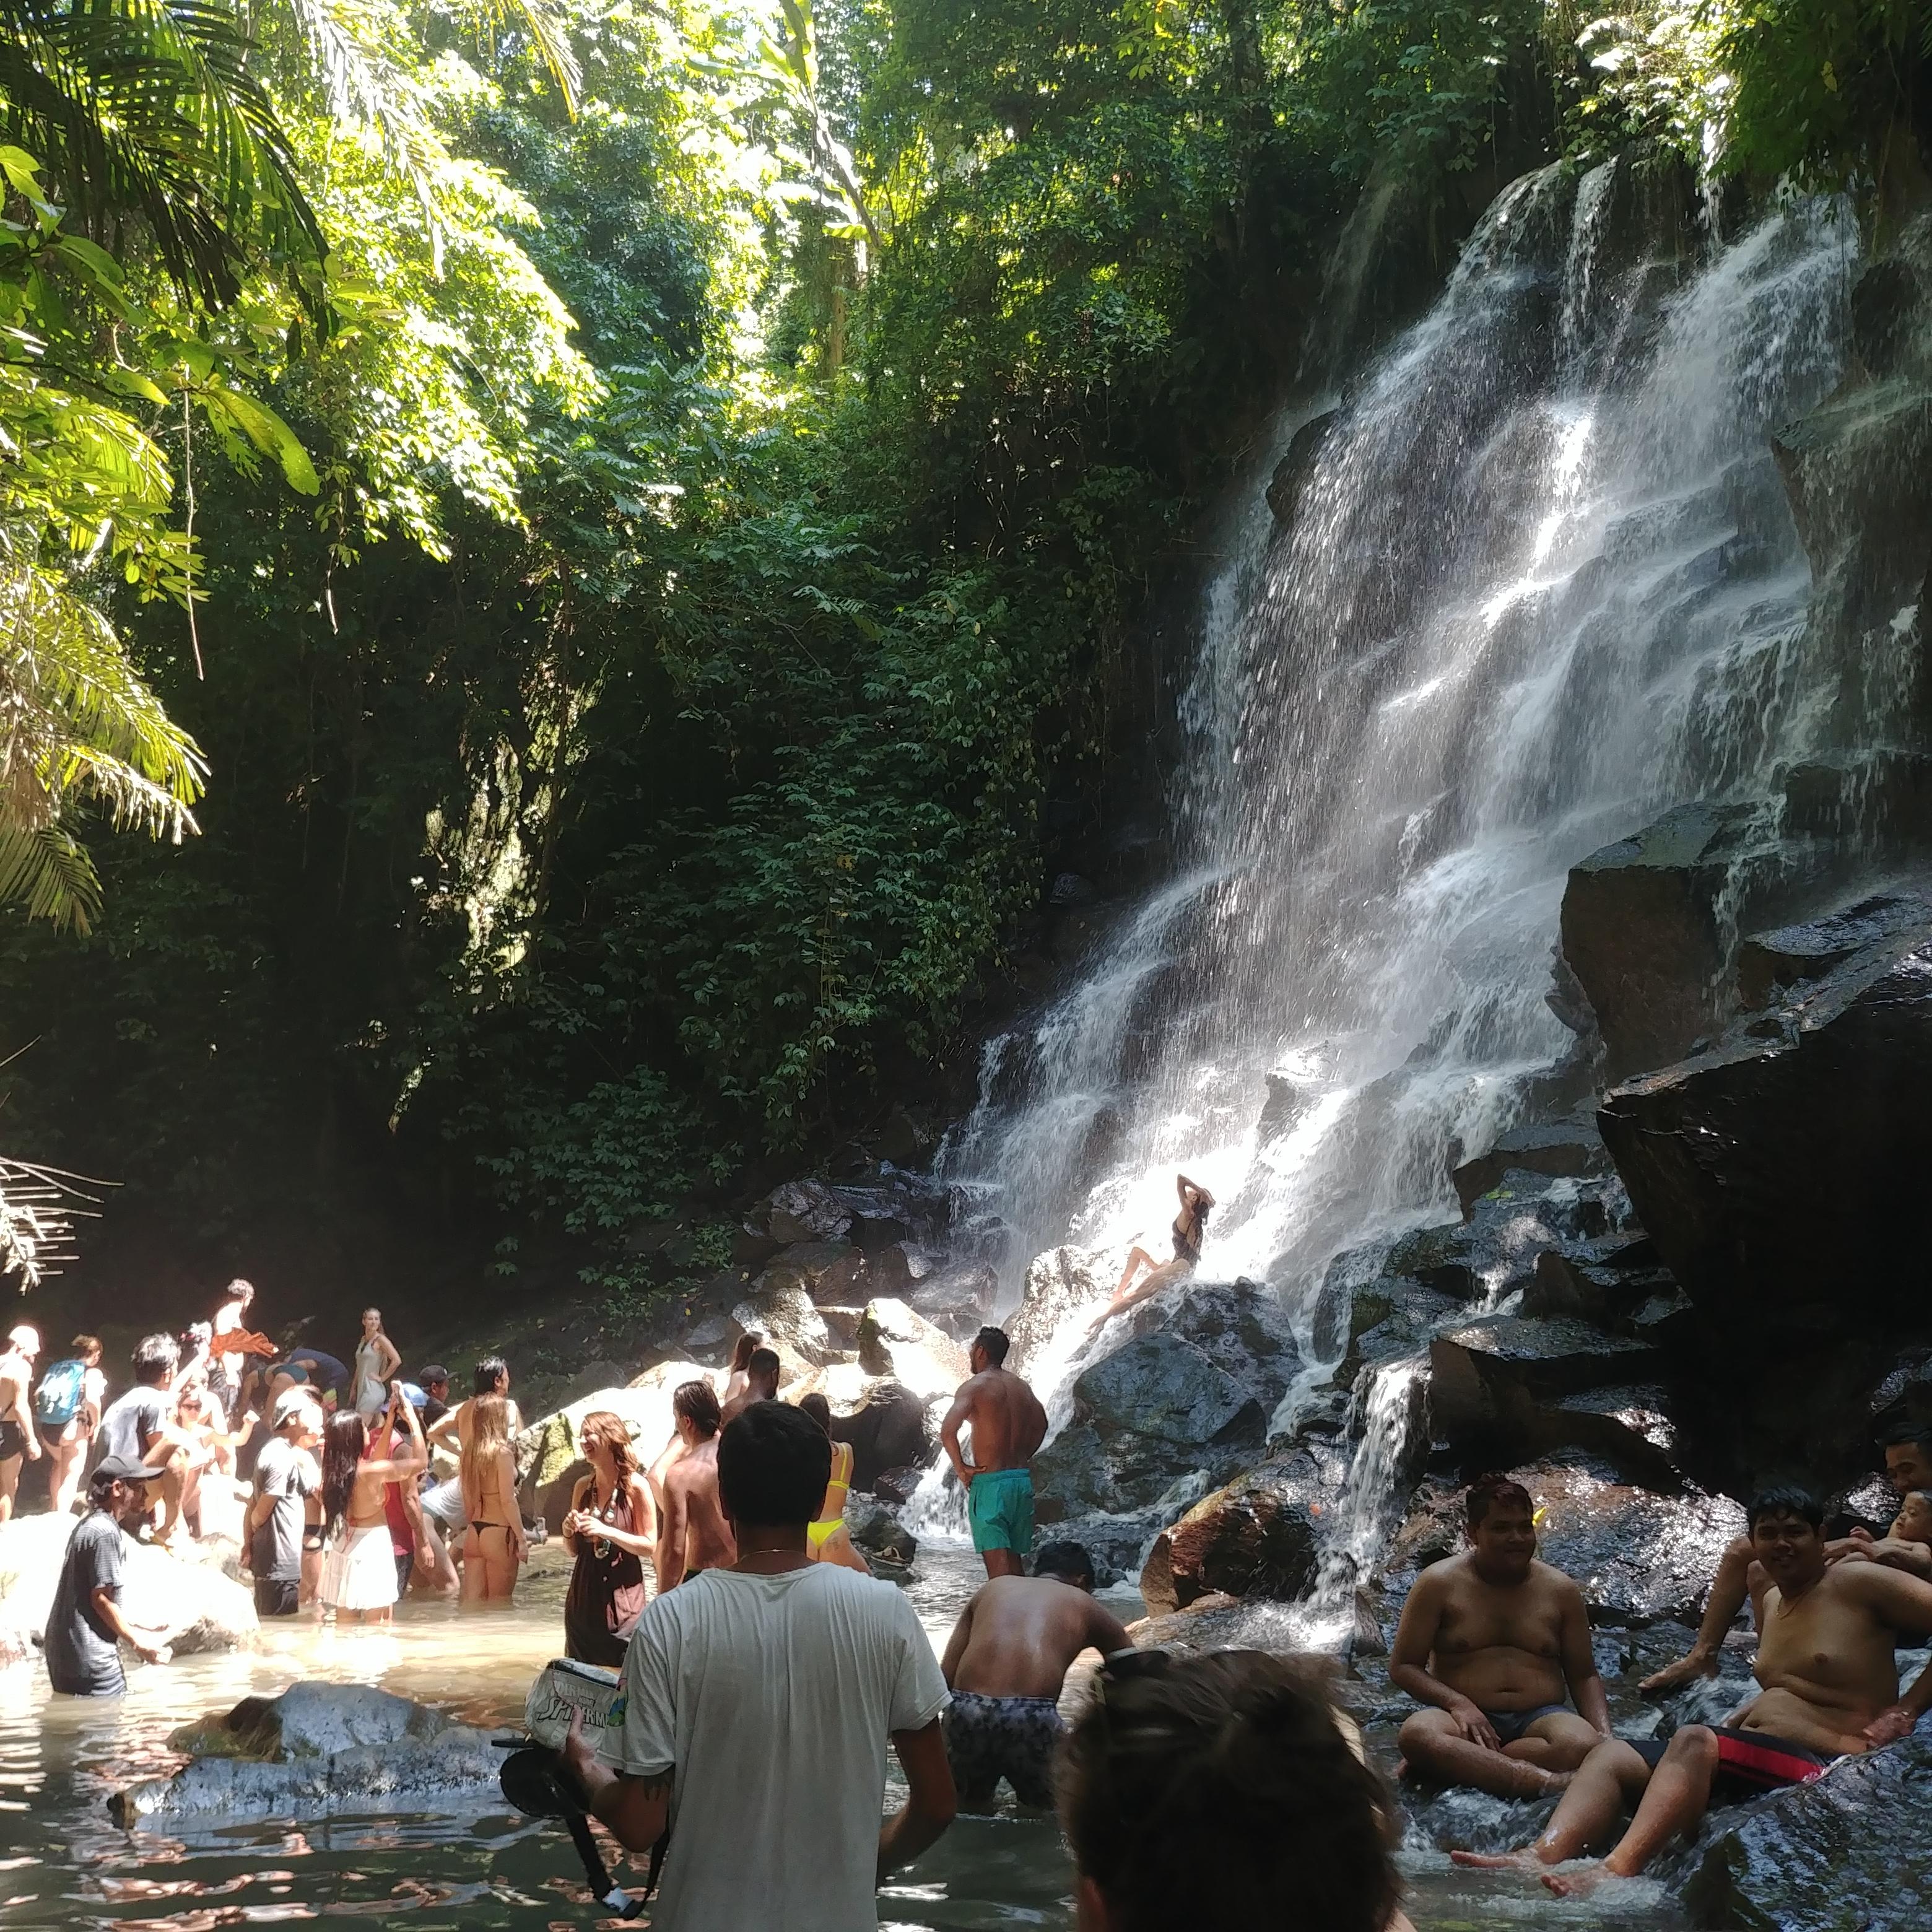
(1559, 1583)
(1438, 1580)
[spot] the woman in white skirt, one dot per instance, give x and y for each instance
(359, 1578)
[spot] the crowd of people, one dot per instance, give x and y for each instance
(765, 1673)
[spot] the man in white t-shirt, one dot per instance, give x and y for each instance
(756, 1707)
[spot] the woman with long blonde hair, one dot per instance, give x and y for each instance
(493, 1542)
(611, 1530)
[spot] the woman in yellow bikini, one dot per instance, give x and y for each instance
(828, 1540)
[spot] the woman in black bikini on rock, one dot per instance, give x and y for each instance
(1190, 1224)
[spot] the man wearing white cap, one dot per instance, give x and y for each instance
(18, 1436)
(286, 1475)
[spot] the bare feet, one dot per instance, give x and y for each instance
(1576, 1881)
(1524, 1860)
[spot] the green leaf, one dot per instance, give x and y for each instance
(269, 434)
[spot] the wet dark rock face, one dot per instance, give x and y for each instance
(1256, 1538)
(1851, 1852)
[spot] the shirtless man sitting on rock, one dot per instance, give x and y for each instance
(1491, 1638)
(1908, 1462)
(1825, 1662)
(1006, 1664)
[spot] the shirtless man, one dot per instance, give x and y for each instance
(1825, 1662)
(694, 1535)
(1008, 1426)
(451, 1431)
(18, 1436)
(1006, 1664)
(1491, 1638)
(1190, 1224)
(761, 1384)
(1908, 1462)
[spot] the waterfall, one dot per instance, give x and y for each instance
(1540, 583)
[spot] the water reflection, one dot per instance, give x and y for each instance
(64, 1863)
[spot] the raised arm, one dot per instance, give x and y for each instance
(1409, 1659)
(1192, 1192)
(1729, 1589)
(956, 1417)
(1580, 1663)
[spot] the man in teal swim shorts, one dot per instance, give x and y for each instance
(1008, 1425)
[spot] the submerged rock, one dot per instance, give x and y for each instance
(317, 1749)
(1853, 1850)
(876, 1531)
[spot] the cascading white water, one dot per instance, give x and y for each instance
(1541, 584)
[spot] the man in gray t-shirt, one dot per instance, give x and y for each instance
(285, 1474)
(85, 1624)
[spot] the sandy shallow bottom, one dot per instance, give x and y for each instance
(63, 1863)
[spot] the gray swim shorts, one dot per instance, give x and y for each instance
(1017, 1739)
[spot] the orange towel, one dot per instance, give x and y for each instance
(242, 1342)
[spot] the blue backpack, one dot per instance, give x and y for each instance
(57, 1400)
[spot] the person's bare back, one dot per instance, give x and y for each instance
(1005, 1416)
(696, 1535)
(1019, 1635)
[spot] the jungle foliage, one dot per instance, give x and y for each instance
(589, 531)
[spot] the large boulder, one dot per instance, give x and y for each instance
(1508, 1386)
(1851, 1852)
(782, 1312)
(549, 1460)
(876, 1530)
(895, 1341)
(1643, 933)
(1156, 1408)
(1256, 1537)
(958, 1298)
(316, 1749)
(1061, 1283)
(1565, 1151)
(824, 1271)
(190, 1592)
(889, 1430)
(1240, 1327)
(803, 1211)
(1774, 1171)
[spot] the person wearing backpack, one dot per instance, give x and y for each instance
(66, 1412)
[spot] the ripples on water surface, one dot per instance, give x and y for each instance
(63, 1862)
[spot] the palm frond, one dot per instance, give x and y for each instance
(147, 109)
(47, 872)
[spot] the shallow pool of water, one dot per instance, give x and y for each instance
(63, 1863)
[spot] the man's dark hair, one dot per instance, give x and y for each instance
(488, 1370)
(773, 1464)
(1785, 1499)
(697, 1402)
(1910, 1435)
(994, 1341)
(1486, 1493)
(763, 1366)
(1206, 1790)
(156, 1358)
(1065, 1560)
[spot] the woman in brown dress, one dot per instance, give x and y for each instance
(611, 1530)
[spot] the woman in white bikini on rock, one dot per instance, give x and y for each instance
(1189, 1225)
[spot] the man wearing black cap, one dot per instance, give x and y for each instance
(86, 1622)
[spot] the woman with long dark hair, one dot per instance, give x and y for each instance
(1190, 1224)
(827, 1538)
(611, 1530)
(360, 1576)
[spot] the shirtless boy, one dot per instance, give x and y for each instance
(1008, 1425)
(694, 1535)
(1491, 1639)
(1005, 1664)
(1825, 1662)
(1908, 1462)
